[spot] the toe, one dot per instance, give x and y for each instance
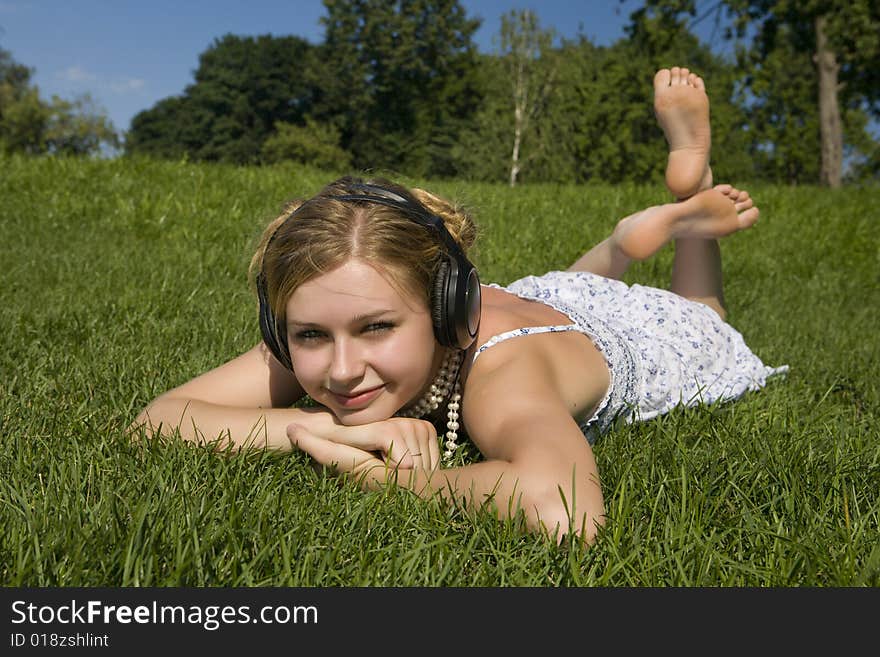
(743, 204)
(699, 84)
(748, 218)
(683, 75)
(662, 78)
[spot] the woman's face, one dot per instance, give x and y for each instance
(357, 346)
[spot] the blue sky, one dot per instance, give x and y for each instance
(128, 54)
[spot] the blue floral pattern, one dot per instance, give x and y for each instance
(662, 350)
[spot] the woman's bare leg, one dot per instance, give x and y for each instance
(696, 267)
(693, 223)
(703, 213)
(605, 259)
(682, 110)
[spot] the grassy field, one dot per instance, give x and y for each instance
(121, 279)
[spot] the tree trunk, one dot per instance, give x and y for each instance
(514, 156)
(830, 125)
(520, 87)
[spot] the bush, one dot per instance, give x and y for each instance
(314, 143)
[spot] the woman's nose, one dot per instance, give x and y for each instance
(348, 363)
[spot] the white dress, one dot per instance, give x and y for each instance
(662, 350)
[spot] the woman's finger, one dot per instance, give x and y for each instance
(339, 456)
(433, 450)
(420, 440)
(425, 439)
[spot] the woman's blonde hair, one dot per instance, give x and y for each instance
(315, 236)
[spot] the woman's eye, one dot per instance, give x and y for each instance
(314, 335)
(305, 336)
(378, 327)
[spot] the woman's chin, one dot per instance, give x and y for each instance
(351, 418)
(379, 409)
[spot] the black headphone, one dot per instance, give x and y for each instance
(455, 298)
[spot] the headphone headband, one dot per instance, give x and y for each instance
(416, 211)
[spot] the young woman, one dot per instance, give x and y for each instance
(370, 307)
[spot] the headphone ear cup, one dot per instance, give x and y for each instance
(269, 327)
(439, 307)
(455, 304)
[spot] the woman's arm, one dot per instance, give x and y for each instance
(555, 484)
(245, 402)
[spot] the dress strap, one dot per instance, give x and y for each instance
(528, 330)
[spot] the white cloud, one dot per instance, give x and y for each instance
(120, 85)
(76, 74)
(126, 85)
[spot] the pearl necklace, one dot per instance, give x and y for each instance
(445, 382)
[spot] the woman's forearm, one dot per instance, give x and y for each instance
(224, 426)
(561, 502)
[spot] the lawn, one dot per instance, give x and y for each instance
(122, 278)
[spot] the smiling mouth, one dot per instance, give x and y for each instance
(357, 400)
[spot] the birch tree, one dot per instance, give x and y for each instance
(525, 49)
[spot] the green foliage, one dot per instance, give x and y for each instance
(853, 30)
(28, 124)
(77, 127)
(315, 144)
(165, 130)
(243, 87)
(22, 114)
(399, 81)
(519, 87)
(784, 113)
(399, 86)
(598, 124)
(780, 73)
(524, 48)
(123, 278)
(863, 150)
(482, 150)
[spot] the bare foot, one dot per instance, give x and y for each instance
(682, 110)
(710, 214)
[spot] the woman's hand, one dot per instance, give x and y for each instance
(394, 444)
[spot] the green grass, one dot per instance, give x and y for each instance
(121, 279)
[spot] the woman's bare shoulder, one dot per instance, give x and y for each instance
(504, 311)
(505, 400)
(559, 372)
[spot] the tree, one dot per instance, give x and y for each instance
(399, 81)
(243, 87)
(78, 127)
(832, 43)
(598, 123)
(23, 115)
(525, 50)
(161, 130)
(842, 38)
(28, 124)
(782, 111)
(481, 151)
